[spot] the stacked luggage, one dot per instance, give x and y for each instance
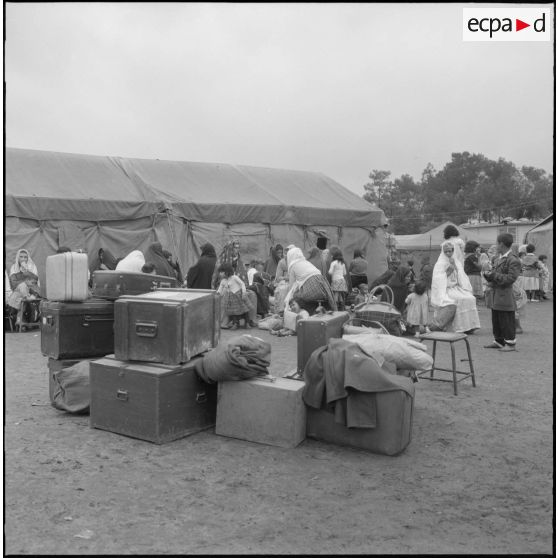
(75, 328)
(149, 389)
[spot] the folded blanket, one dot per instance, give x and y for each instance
(238, 358)
(343, 379)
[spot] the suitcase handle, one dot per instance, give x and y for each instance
(122, 394)
(161, 284)
(48, 320)
(88, 319)
(146, 329)
(201, 397)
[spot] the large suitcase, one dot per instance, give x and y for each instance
(264, 410)
(151, 402)
(112, 284)
(66, 277)
(169, 326)
(394, 421)
(314, 332)
(77, 329)
(55, 365)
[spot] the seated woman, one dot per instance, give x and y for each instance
(307, 283)
(23, 301)
(23, 264)
(455, 307)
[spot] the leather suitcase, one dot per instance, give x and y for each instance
(77, 329)
(394, 416)
(55, 365)
(151, 402)
(66, 277)
(314, 332)
(262, 410)
(169, 326)
(112, 284)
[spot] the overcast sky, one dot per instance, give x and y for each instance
(335, 88)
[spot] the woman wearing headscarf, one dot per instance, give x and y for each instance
(155, 255)
(451, 289)
(275, 254)
(451, 234)
(175, 265)
(132, 263)
(104, 260)
(307, 283)
(199, 276)
(315, 258)
(23, 264)
(399, 284)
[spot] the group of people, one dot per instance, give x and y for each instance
(319, 281)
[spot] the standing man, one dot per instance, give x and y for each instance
(499, 298)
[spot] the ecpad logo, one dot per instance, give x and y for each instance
(506, 24)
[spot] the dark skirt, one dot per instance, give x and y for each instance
(316, 289)
(356, 280)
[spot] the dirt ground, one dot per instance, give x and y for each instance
(477, 476)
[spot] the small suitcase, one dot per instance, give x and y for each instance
(112, 284)
(55, 365)
(77, 329)
(394, 416)
(66, 277)
(315, 332)
(264, 410)
(169, 326)
(151, 402)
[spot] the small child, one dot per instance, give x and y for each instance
(338, 272)
(362, 294)
(233, 291)
(301, 314)
(417, 309)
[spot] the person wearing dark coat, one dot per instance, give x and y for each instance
(499, 294)
(175, 265)
(155, 255)
(399, 284)
(275, 254)
(200, 274)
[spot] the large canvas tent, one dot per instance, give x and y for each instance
(542, 236)
(416, 246)
(84, 201)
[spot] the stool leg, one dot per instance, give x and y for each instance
(433, 358)
(452, 346)
(470, 362)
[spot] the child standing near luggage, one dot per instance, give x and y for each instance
(233, 291)
(338, 272)
(417, 309)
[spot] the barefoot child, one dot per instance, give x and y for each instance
(233, 291)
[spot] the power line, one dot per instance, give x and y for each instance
(472, 210)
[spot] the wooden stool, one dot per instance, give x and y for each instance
(450, 338)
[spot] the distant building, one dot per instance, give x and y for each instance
(486, 233)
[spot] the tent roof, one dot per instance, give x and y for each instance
(546, 224)
(426, 240)
(50, 185)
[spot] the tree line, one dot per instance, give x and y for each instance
(470, 186)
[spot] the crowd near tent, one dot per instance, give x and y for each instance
(83, 201)
(416, 246)
(542, 236)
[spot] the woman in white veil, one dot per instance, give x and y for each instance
(455, 307)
